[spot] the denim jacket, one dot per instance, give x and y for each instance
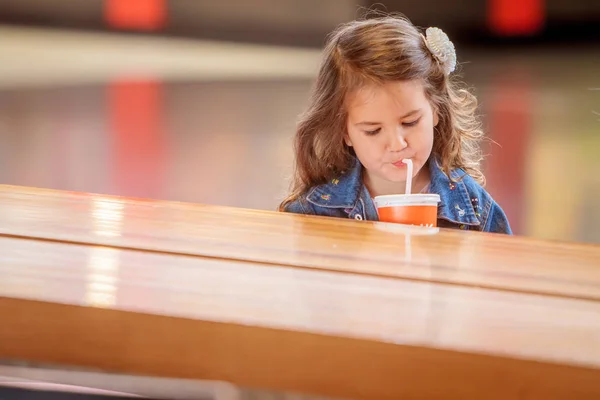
(464, 203)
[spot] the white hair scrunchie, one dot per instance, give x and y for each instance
(442, 48)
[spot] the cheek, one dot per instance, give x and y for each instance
(370, 146)
(424, 140)
(368, 149)
(428, 137)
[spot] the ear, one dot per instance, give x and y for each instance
(347, 140)
(434, 113)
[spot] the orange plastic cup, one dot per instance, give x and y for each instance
(408, 209)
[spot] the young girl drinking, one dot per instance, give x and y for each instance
(385, 93)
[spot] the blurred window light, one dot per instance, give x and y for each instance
(516, 17)
(135, 14)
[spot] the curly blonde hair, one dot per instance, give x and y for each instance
(377, 50)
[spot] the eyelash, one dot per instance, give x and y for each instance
(405, 124)
(410, 124)
(371, 133)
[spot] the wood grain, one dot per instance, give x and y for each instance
(280, 328)
(372, 248)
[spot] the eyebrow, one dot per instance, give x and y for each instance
(408, 114)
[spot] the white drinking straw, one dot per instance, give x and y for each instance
(409, 173)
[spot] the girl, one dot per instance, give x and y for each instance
(385, 93)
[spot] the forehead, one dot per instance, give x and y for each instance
(398, 97)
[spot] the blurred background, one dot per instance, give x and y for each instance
(196, 101)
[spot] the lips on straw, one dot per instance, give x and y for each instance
(409, 174)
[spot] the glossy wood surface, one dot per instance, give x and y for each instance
(380, 249)
(126, 386)
(281, 328)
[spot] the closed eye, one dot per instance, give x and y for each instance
(373, 132)
(413, 123)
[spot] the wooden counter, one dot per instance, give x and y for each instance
(294, 303)
(382, 249)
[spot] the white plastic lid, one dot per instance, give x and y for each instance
(419, 199)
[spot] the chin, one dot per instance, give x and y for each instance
(397, 177)
(397, 180)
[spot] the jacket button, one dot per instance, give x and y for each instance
(358, 217)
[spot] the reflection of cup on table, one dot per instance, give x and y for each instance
(408, 209)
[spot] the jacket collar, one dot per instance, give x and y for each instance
(455, 202)
(340, 192)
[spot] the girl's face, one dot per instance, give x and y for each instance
(386, 124)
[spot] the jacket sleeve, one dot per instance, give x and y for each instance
(497, 222)
(299, 206)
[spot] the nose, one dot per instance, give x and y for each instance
(397, 141)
